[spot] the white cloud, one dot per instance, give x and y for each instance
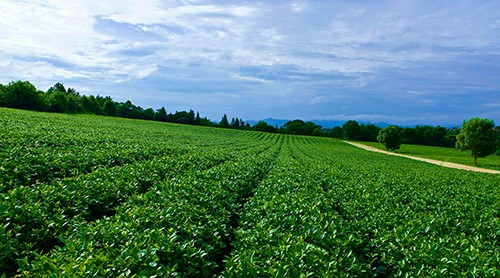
(318, 100)
(37, 72)
(134, 71)
(299, 6)
(240, 77)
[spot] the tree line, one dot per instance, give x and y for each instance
(352, 130)
(24, 95)
(58, 98)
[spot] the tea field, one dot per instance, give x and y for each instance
(98, 196)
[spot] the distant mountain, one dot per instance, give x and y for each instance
(323, 123)
(270, 121)
(332, 123)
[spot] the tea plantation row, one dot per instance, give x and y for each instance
(106, 197)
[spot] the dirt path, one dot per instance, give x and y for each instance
(437, 162)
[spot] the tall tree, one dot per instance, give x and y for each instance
(110, 108)
(390, 137)
(148, 114)
(478, 136)
(58, 101)
(368, 132)
(75, 104)
(2, 95)
(337, 132)
(236, 123)
(161, 115)
(351, 129)
(23, 95)
(91, 105)
(224, 122)
(59, 87)
(197, 118)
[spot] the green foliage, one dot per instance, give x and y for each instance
(351, 129)
(224, 122)
(159, 199)
(390, 137)
(3, 95)
(430, 136)
(161, 115)
(91, 105)
(337, 132)
(368, 132)
(263, 126)
(478, 136)
(110, 108)
(23, 95)
(299, 127)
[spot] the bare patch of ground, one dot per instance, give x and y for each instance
(437, 162)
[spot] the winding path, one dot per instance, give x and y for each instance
(437, 162)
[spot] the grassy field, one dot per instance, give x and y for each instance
(108, 197)
(443, 154)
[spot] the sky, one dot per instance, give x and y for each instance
(401, 62)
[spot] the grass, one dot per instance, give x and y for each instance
(444, 154)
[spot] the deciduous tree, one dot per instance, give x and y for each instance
(351, 129)
(478, 136)
(390, 137)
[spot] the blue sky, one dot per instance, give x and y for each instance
(402, 62)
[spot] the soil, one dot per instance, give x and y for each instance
(437, 162)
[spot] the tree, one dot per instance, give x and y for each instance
(368, 132)
(23, 95)
(58, 87)
(263, 126)
(129, 110)
(197, 118)
(450, 138)
(497, 131)
(90, 105)
(390, 137)
(74, 101)
(318, 132)
(110, 108)
(183, 117)
(300, 127)
(236, 123)
(191, 116)
(295, 127)
(2, 95)
(148, 114)
(478, 136)
(351, 129)
(337, 132)
(161, 115)
(58, 101)
(224, 122)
